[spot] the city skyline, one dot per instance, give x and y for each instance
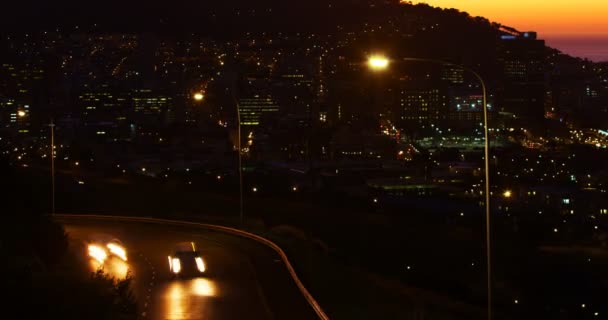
(371, 142)
(576, 28)
(558, 18)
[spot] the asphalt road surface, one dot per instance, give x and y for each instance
(244, 279)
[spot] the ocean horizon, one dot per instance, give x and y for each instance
(592, 47)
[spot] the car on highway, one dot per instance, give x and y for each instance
(186, 261)
(102, 246)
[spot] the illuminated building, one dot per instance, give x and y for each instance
(20, 119)
(8, 112)
(452, 74)
(466, 110)
(150, 107)
(359, 146)
(423, 106)
(522, 57)
(19, 90)
(20, 80)
(253, 109)
(295, 95)
(103, 106)
(402, 188)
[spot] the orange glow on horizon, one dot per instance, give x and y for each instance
(547, 17)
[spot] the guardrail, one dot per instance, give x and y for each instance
(311, 300)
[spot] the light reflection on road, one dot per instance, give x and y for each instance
(188, 299)
(203, 287)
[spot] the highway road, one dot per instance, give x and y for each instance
(245, 279)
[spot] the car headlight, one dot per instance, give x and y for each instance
(117, 250)
(176, 266)
(200, 264)
(97, 253)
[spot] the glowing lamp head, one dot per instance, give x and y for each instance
(507, 194)
(199, 96)
(21, 113)
(378, 62)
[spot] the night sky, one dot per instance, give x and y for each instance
(548, 17)
(139, 14)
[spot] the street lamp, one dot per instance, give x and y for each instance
(380, 63)
(198, 97)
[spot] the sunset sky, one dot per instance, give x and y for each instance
(547, 17)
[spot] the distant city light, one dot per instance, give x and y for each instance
(507, 194)
(21, 113)
(198, 96)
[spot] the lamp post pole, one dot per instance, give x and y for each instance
(488, 215)
(240, 168)
(52, 125)
(199, 96)
(381, 63)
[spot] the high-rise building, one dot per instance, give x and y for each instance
(524, 87)
(294, 93)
